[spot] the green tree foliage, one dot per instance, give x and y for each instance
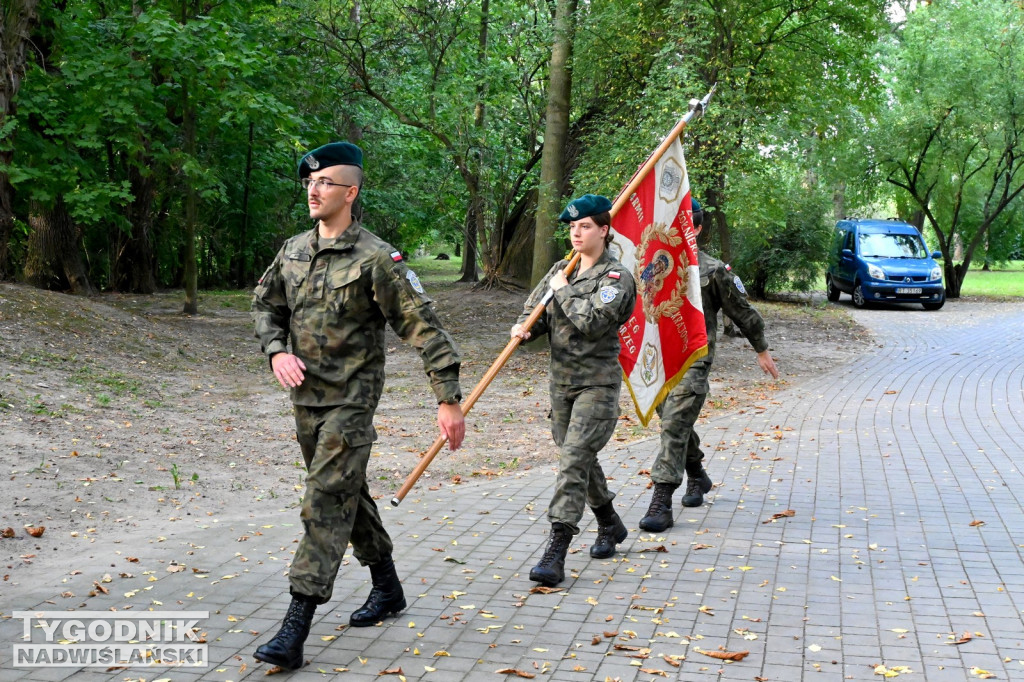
(952, 135)
(102, 124)
(783, 70)
(440, 68)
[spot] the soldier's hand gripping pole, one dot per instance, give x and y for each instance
(696, 108)
(481, 386)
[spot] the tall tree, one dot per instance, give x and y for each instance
(556, 132)
(432, 67)
(782, 69)
(952, 135)
(16, 23)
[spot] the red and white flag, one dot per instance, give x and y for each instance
(666, 333)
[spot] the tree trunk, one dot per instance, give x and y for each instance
(475, 214)
(54, 258)
(240, 257)
(16, 20)
(133, 268)
(715, 194)
(517, 257)
(556, 132)
(470, 273)
(839, 201)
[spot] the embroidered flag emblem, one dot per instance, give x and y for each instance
(396, 256)
(614, 275)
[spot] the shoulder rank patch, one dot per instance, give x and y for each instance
(739, 284)
(608, 294)
(614, 275)
(414, 281)
(396, 256)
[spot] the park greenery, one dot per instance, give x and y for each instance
(153, 143)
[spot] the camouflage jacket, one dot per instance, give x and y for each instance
(331, 299)
(582, 322)
(721, 289)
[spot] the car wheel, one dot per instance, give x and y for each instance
(935, 305)
(831, 292)
(858, 296)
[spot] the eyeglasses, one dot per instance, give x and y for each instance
(320, 183)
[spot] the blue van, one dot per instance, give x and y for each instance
(883, 261)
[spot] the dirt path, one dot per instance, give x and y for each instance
(122, 420)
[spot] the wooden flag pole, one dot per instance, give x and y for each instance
(696, 108)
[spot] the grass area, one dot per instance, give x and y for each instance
(436, 270)
(234, 299)
(1007, 280)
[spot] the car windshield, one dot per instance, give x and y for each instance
(891, 246)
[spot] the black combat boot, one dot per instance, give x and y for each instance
(386, 598)
(610, 532)
(659, 514)
(285, 649)
(696, 487)
(551, 569)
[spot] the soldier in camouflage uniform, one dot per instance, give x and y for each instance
(329, 292)
(582, 321)
(680, 451)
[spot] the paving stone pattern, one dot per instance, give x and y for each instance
(902, 471)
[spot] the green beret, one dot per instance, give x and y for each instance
(584, 207)
(333, 154)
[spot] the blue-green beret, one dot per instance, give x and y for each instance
(333, 154)
(584, 207)
(695, 205)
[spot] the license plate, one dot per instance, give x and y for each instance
(908, 290)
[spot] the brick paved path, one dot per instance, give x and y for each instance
(903, 473)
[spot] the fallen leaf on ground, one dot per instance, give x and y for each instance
(391, 671)
(541, 589)
(894, 671)
(36, 532)
(964, 639)
(725, 655)
(515, 671)
(780, 515)
(976, 523)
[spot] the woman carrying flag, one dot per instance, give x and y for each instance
(581, 320)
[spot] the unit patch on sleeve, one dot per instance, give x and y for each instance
(739, 284)
(608, 294)
(414, 281)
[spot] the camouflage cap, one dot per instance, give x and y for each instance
(584, 207)
(333, 154)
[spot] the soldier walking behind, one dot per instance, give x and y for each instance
(679, 452)
(582, 321)
(329, 292)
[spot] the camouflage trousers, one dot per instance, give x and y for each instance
(679, 452)
(583, 418)
(337, 507)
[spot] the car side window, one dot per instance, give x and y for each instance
(848, 243)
